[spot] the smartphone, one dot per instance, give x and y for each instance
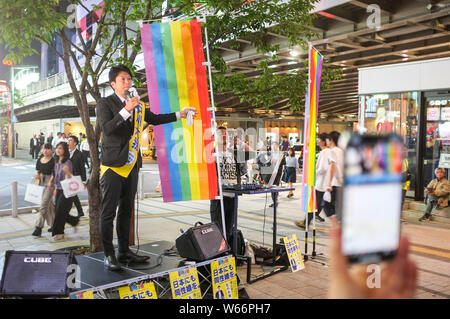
(371, 199)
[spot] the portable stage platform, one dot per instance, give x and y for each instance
(94, 276)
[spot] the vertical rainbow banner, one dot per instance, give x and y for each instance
(176, 78)
(309, 136)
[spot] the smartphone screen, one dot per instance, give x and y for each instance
(371, 198)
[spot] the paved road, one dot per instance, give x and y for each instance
(23, 172)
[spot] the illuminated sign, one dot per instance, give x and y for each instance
(8, 62)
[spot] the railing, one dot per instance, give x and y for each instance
(58, 79)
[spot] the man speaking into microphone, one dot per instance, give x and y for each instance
(121, 117)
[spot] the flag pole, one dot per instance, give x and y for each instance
(214, 128)
(307, 189)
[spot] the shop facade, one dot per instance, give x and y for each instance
(412, 100)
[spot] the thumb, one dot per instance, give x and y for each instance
(339, 264)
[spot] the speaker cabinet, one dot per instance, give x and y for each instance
(202, 242)
(36, 273)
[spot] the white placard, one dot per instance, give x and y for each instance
(444, 160)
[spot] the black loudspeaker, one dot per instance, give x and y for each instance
(202, 242)
(36, 273)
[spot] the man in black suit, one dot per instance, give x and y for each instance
(115, 116)
(34, 147)
(78, 168)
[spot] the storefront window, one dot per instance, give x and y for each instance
(395, 113)
(437, 150)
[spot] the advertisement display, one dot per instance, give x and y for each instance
(294, 253)
(138, 291)
(224, 279)
(185, 284)
(433, 114)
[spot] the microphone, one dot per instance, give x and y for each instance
(128, 95)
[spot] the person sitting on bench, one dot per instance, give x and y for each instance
(437, 193)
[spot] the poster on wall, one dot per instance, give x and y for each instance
(433, 114)
(445, 113)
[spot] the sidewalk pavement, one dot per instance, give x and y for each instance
(163, 221)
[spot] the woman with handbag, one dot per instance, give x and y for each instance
(290, 171)
(63, 205)
(44, 171)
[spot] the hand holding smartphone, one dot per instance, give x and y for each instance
(370, 204)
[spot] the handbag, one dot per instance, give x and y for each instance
(72, 186)
(327, 197)
(33, 193)
(284, 177)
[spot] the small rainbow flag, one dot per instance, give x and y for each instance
(309, 136)
(176, 78)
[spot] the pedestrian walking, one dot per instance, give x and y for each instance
(336, 179)
(34, 147)
(84, 147)
(290, 171)
(62, 170)
(78, 169)
(323, 171)
(44, 171)
(56, 140)
(285, 144)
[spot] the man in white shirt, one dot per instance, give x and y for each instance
(336, 181)
(56, 140)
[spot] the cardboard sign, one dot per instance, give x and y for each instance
(138, 291)
(185, 284)
(224, 279)
(294, 253)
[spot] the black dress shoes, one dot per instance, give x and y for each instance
(111, 263)
(132, 258)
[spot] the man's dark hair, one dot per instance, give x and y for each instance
(323, 137)
(75, 139)
(115, 70)
(334, 136)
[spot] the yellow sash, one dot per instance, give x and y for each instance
(134, 145)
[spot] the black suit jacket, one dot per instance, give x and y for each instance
(32, 143)
(78, 165)
(117, 132)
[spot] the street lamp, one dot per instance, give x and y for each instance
(31, 76)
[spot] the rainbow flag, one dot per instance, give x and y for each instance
(176, 78)
(309, 136)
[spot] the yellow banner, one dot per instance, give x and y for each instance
(83, 295)
(138, 291)
(224, 278)
(185, 284)
(294, 253)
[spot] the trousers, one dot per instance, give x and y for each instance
(117, 192)
(63, 206)
(47, 208)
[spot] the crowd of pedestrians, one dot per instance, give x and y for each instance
(59, 158)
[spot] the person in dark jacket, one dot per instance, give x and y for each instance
(267, 162)
(78, 168)
(117, 115)
(34, 146)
